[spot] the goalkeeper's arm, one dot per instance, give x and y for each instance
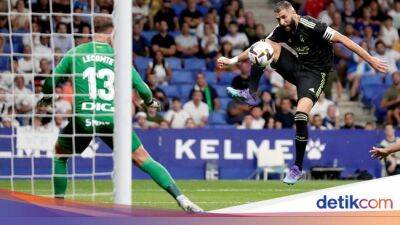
(141, 87)
(63, 68)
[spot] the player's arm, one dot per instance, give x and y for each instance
(143, 90)
(377, 64)
(60, 72)
(382, 153)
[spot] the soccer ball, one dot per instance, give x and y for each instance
(261, 53)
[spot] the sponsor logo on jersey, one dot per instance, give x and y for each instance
(97, 106)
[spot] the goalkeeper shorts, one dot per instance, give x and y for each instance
(76, 136)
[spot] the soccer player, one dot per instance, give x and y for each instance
(91, 66)
(312, 41)
(381, 153)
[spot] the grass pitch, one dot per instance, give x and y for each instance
(209, 195)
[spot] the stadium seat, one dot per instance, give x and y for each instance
(174, 33)
(227, 77)
(170, 90)
(178, 8)
(211, 78)
(182, 77)
(195, 64)
(372, 91)
(202, 9)
(223, 126)
(367, 80)
(221, 91)
(224, 103)
(142, 62)
(148, 35)
(217, 118)
(184, 91)
(388, 79)
(174, 63)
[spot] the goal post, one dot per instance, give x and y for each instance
(122, 177)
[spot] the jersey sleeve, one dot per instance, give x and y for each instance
(63, 68)
(141, 87)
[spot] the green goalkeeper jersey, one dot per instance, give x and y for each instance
(91, 67)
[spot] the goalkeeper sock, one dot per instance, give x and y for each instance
(161, 176)
(60, 179)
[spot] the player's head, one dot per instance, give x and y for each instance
(103, 28)
(396, 78)
(389, 131)
(285, 14)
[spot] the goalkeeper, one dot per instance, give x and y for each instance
(91, 66)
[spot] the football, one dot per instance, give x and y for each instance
(261, 54)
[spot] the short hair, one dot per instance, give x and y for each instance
(282, 5)
(102, 23)
(174, 99)
(379, 42)
(349, 114)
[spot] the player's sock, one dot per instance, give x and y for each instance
(255, 76)
(59, 177)
(301, 120)
(161, 176)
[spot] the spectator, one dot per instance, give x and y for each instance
(391, 100)
(62, 40)
(326, 16)
(168, 15)
(5, 103)
(140, 45)
(160, 68)
(23, 98)
(389, 34)
(191, 15)
(314, 7)
(78, 22)
(267, 105)
(176, 116)
(348, 16)
(247, 123)
(209, 42)
(369, 37)
(392, 162)
(242, 80)
(349, 122)
(208, 20)
(285, 115)
(270, 124)
(250, 28)
(84, 37)
(224, 24)
(19, 21)
(238, 39)
(45, 70)
(376, 12)
(140, 12)
(389, 56)
(141, 121)
(186, 43)
(163, 41)
(152, 83)
(316, 123)
(190, 124)
(366, 20)
(43, 50)
(41, 6)
(337, 22)
(321, 106)
(236, 111)
(210, 96)
(61, 105)
(197, 109)
(260, 32)
(258, 121)
(164, 125)
(153, 117)
(369, 126)
(26, 64)
(394, 12)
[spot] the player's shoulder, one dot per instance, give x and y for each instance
(308, 22)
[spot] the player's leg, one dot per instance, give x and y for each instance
(64, 148)
(309, 88)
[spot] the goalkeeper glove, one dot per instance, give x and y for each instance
(154, 103)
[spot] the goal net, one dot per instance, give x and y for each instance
(34, 36)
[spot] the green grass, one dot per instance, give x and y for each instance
(207, 194)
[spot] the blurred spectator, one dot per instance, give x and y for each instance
(389, 34)
(369, 126)
(208, 21)
(85, 5)
(236, 111)
(41, 6)
(314, 7)
(366, 20)
(4, 27)
(45, 70)
(78, 21)
(140, 45)
(394, 12)
(160, 68)
(389, 56)
(284, 114)
(168, 15)
(43, 50)
(141, 121)
(176, 116)
(19, 20)
(376, 11)
(191, 15)
(62, 40)
(267, 105)
(153, 116)
(242, 80)
(348, 15)
(337, 22)
(224, 24)
(270, 124)
(238, 39)
(391, 100)
(321, 106)
(23, 98)
(197, 109)
(316, 123)
(35, 37)
(61, 105)
(190, 123)
(392, 162)
(250, 28)
(258, 121)
(349, 122)
(186, 43)
(140, 12)
(26, 64)
(209, 42)
(84, 37)
(61, 6)
(5, 102)
(326, 16)
(210, 96)
(163, 41)
(152, 83)
(164, 125)
(369, 37)
(247, 123)
(57, 56)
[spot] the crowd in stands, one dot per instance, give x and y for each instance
(175, 47)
